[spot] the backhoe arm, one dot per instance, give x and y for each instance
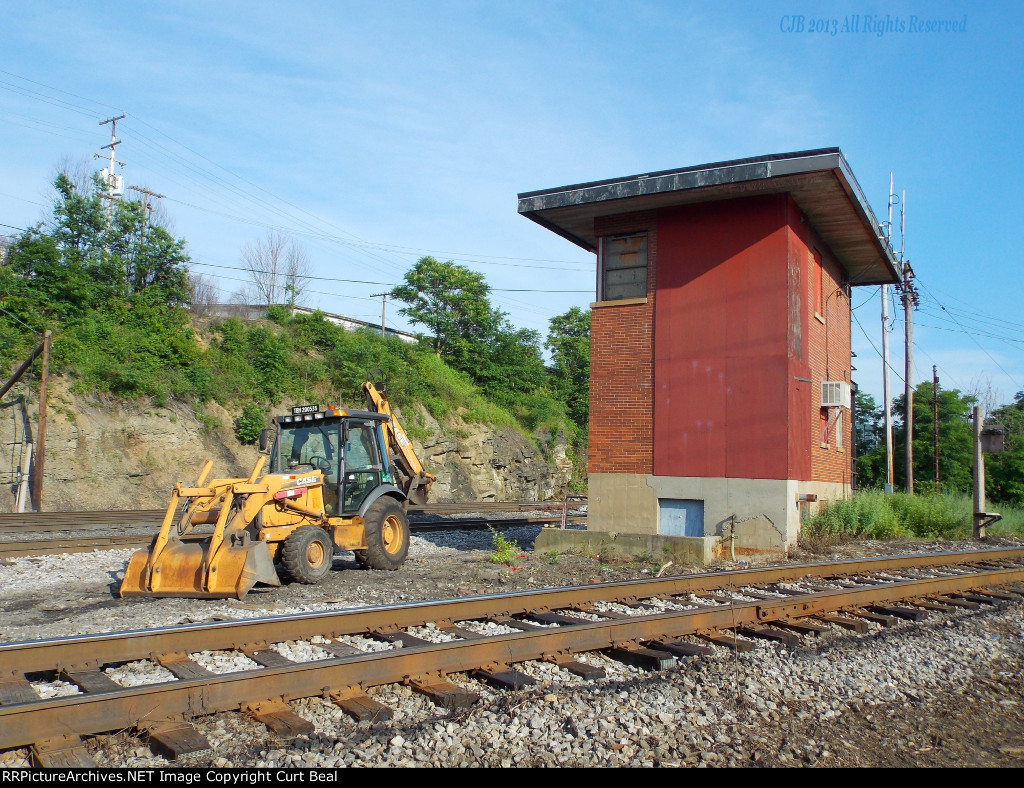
(399, 447)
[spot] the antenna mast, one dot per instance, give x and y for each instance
(115, 184)
(885, 356)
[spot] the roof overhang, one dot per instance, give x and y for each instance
(820, 182)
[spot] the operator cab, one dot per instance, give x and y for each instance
(346, 446)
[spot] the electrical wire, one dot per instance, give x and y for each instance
(973, 339)
(870, 342)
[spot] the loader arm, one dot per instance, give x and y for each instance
(417, 481)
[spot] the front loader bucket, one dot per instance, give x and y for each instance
(180, 570)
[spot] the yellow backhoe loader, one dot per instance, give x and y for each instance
(333, 480)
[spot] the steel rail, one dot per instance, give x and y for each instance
(123, 708)
(86, 520)
(87, 651)
(23, 549)
(27, 549)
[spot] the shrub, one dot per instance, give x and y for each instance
(505, 551)
(250, 423)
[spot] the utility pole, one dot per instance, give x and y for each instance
(383, 308)
(935, 423)
(885, 357)
(40, 453)
(909, 302)
(111, 175)
(981, 517)
(146, 206)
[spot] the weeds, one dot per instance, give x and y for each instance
(506, 551)
(873, 514)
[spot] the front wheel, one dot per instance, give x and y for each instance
(307, 554)
(387, 535)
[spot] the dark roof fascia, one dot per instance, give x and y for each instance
(707, 175)
(718, 165)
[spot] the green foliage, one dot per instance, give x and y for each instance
(872, 514)
(569, 343)
(469, 333)
(955, 440)
(113, 297)
(505, 551)
(452, 301)
(250, 423)
(1004, 472)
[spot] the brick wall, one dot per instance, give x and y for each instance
(828, 345)
(622, 367)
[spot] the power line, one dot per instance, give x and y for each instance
(312, 228)
(383, 283)
(879, 352)
(975, 341)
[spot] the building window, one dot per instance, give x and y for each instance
(623, 267)
(819, 282)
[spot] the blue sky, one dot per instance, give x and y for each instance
(379, 132)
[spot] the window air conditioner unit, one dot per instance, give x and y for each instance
(835, 394)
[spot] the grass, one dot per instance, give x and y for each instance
(506, 551)
(872, 514)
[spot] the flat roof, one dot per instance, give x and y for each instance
(820, 181)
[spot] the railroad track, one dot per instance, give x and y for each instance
(649, 623)
(89, 520)
(88, 544)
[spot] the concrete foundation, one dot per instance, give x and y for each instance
(751, 517)
(680, 550)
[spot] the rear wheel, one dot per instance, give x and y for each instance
(307, 554)
(387, 535)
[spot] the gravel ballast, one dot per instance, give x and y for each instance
(945, 692)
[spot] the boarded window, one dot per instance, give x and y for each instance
(819, 282)
(623, 267)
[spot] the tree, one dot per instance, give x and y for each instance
(569, 343)
(109, 289)
(202, 294)
(955, 440)
(1004, 472)
(513, 365)
(869, 438)
(452, 301)
(278, 269)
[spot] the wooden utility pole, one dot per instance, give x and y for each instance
(383, 308)
(935, 423)
(982, 519)
(40, 453)
(21, 370)
(908, 373)
(147, 206)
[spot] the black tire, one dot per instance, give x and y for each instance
(307, 554)
(387, 535)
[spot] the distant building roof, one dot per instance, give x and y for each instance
(353, 323)
(820, 181)
(258, 311)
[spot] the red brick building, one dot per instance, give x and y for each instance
(720, 384)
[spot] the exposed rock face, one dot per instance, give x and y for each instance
(473, 462)
(121, 455)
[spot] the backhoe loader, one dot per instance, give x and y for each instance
(332, 480)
